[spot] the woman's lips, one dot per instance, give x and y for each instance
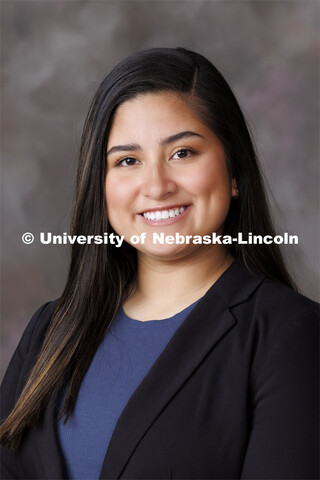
(164, 216)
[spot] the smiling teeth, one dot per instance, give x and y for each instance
(163, 214)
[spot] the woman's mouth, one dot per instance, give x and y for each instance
(164, 216)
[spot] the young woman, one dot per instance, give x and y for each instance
(190, 359)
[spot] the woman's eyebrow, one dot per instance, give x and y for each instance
(179, 136)
(124, 148)
(165, 141)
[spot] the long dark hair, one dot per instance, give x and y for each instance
(101, 277)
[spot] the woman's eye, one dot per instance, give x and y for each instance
(127, 162)
(183, 153)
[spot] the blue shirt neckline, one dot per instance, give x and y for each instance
(125, 317)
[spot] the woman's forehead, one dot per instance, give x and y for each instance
(154, 116)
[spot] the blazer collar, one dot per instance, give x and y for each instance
(236, 284)
(207, 323)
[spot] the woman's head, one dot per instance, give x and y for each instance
(200, 85)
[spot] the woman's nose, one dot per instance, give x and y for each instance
(158, 183)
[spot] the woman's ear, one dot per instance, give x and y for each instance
(234, 189)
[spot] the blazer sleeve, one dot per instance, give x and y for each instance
(16, 375)
(284, 437)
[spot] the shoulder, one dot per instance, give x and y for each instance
(25, 355)
(282, 316)
(274, 309)
(33, 335)
(278, 310)
(280, 328)
(251, 296)
(34, 332)
(276, 298)
(267, 313)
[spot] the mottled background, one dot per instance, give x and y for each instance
(55, 53)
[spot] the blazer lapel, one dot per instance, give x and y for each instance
(203, 328)
(208, 322)
(206, 325)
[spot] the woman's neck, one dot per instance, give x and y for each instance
(164, 288)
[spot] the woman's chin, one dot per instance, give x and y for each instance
(165, 252)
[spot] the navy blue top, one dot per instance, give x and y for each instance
(124, 357)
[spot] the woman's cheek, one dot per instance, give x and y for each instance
(117, 191)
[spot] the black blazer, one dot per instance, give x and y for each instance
(233, 395)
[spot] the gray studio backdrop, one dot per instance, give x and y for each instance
(55, 53)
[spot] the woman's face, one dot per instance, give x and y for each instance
(166, 172)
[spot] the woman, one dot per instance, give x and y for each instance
(167, 360)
